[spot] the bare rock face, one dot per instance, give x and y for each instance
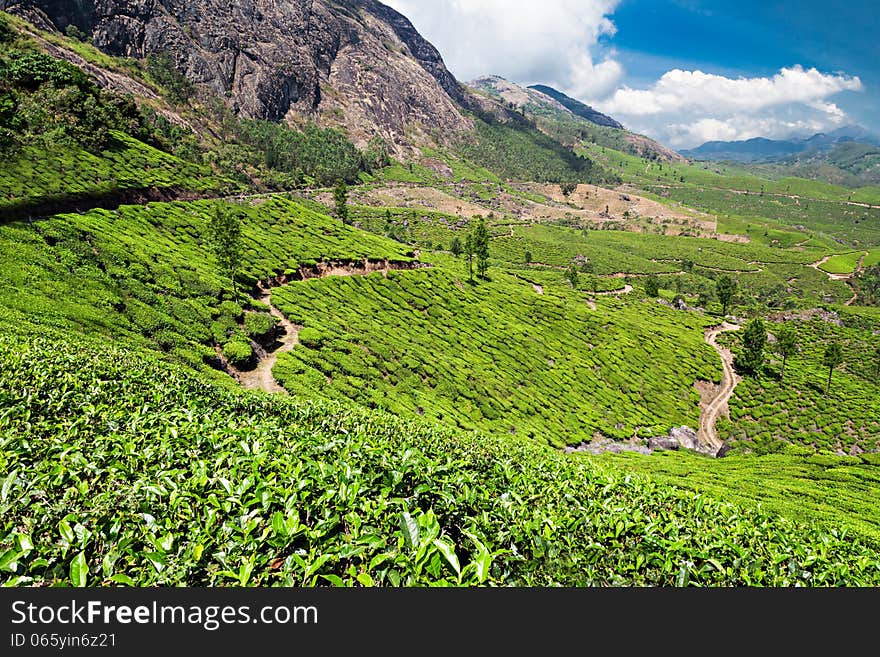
(354, 63)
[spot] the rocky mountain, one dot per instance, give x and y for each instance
(577, 108)
(567, 120)
(760, 150)
(352, 63)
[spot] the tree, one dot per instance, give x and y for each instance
(786, 344)
(877, 363)
(568, 188)
(340, 201)
(571, 274)
(652, 286)
(224, 236)
(470, 249)
(833, 358)
(455, 247)
(725, 289)
(481, 246)
(528, 257)
(754, 343)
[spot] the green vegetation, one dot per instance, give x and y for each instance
(842, 264)
(147, 274)
(496, 356)
(340, 201)
(142, 463)
(837, 492)
(224, 236)
(121, 470)
(868, 286)
(524, 153)
(767, 414)
(754, 338)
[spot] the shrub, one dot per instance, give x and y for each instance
(238, 353)
(258, 325)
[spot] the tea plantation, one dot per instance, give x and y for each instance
(496, 355)
(120, 469)
(420, 442)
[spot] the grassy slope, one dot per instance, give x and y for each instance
(145, 272)
(766, 411)
(35, 176)
(496, 356)
(121, 470)
(823, 208)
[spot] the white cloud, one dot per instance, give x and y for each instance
(687, 108)
(549, 42)
(556, 42)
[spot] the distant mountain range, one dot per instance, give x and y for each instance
(760, 150)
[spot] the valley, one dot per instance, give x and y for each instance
(247, 352)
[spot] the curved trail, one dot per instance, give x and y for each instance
(707, 434)
(626, 289)
(261, 377)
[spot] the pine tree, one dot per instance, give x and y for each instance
(481, 246)
(725, 289)
(340, 200)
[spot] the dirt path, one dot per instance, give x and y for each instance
(712, 410)
(626, 289)
(261, 377)
(839, 277)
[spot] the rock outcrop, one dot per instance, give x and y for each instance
(355, 63)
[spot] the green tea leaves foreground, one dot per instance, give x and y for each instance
(122, 470)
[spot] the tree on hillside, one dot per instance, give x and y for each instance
(833, 358)
(754, 342)
(568, 188)
(652, 286)
(481, 246)
(340, 201)
(786, 344)
(571, 275)
(455, 248)
(224, 237)
(877, 363)
(528, 257)
(470, 249)
(725, 290)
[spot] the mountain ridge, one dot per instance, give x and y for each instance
(762, 149)
(358, 64)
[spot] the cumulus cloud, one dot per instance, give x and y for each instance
(549, 42)
(557, 42)
(687, 108)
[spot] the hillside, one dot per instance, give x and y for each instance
(240, 352)
(569, 120)
(576, 107)
(295, 60)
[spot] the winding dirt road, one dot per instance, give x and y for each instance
(261, 377)
(708, 418)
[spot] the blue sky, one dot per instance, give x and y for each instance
(682, 71)
(748, 38)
